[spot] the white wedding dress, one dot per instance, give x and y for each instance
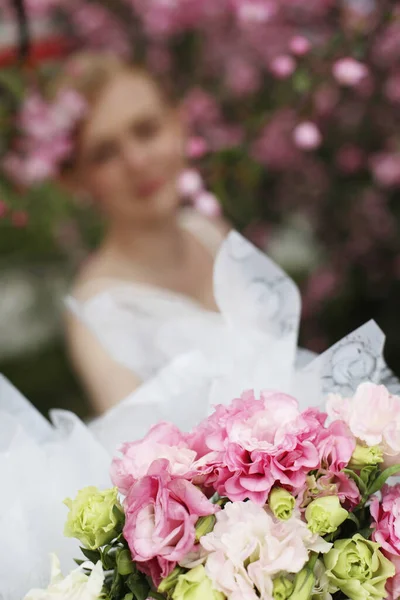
(185, 353)
(197, 359)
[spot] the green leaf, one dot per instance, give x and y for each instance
(359, 482)
(369, 474)
(156, 595)
(118, 513)
(352, 517)
(383, 477)
(138, 585)
(92, 555)
(366, 532)
(117, 586)
(128, 596)
(108, 560)
(13, 82)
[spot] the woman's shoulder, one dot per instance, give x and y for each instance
(93, 277)
(210, 231)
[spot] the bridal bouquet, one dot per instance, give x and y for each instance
(259, 500)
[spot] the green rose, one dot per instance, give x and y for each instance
(195, 585)
(365, 457)
(281, 503)
(95, 518)
(283, 588)
(358, 568)
(324, 515)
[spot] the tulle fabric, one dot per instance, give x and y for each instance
(40, 465)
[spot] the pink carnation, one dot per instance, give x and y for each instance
(164, 441)
(161, 514)
(335, 445)
(386, 515)
(373, 416)
(393, 584)
(252, 444)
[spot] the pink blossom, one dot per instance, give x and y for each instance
(349, 72)
(242, 77)
(99, 29)
(386, 519)
(307, 136)
(386, 169)
(190, 183)
(19, 219)
(197, 147)
(392, 88)
(299, 45)
(208, 205)
(254, 11)
(164, 441)
(373, 416)
(320, 286)
(201, 108)
(326, 99)
(45, 140)
(282, 66)
(161, 513)
(252, 444)
(225, 136)
(350, 159)
(159, 58)
(68, 108)
(275, 146)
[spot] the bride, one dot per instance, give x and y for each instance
(155, 260)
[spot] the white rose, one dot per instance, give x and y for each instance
(76, 586)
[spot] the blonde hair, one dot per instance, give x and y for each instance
(88, 73)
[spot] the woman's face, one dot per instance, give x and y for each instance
(131, 151)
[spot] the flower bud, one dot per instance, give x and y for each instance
(363, 457)
(324, 515)
(281, 503)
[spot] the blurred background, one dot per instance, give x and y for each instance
(293, 109)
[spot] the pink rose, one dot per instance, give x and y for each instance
(248, 446)
(161, 513)
(373, 416)
(386, 515)
(164, 441)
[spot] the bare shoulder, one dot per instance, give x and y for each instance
(93, 277)
(211, 231)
